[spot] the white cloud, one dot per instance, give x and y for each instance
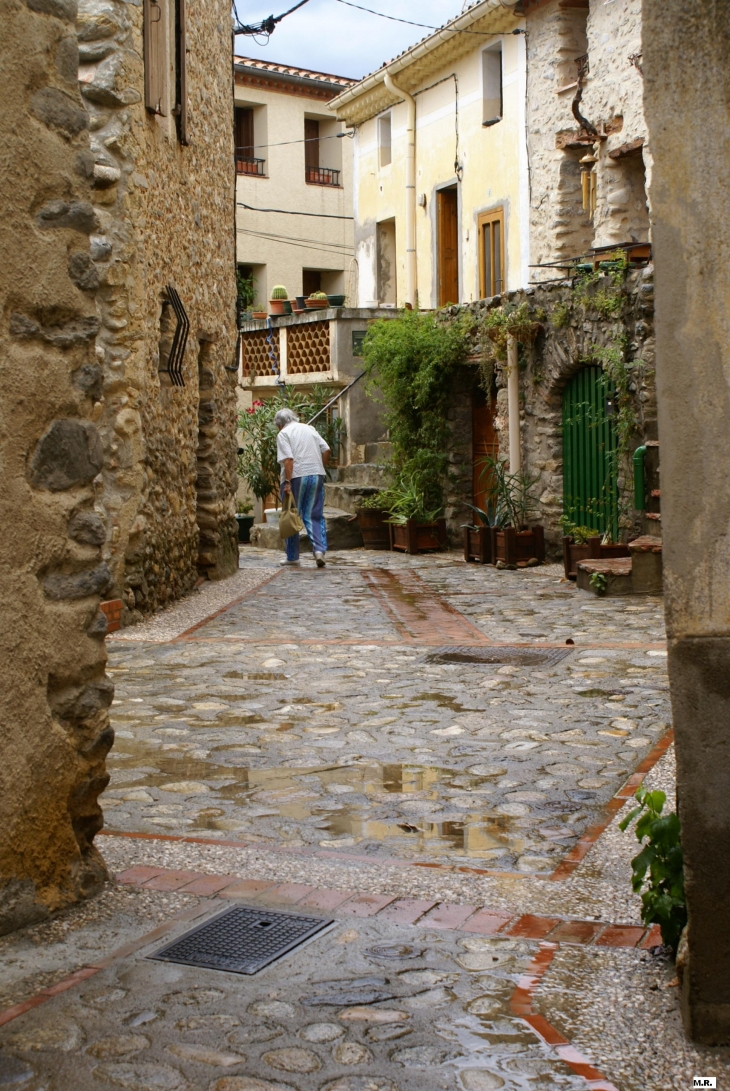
(327, 36)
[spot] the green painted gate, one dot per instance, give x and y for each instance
(590, 464)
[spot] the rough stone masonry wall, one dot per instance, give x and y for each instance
(571, 334)
(559, 227)
(54, 727)
(166, 217)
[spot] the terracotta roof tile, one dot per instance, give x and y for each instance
(292, 70)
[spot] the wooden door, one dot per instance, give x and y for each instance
(311, 146)
(448, 246)
(485, 443)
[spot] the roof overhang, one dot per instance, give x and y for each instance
(370, 96)
(280, 80)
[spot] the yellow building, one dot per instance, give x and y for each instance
(294, 180)
(441, 187)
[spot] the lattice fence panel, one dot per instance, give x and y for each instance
(255, 353)
(308, 348)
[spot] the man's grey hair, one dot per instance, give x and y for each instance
(284, 417)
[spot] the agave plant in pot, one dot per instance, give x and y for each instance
(414, 526)
(279, 302)
(510, 503)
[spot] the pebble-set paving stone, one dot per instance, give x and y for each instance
(252, 729)
(371, 1008)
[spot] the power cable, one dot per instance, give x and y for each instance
(295, 239)
(298, 245)
(266, 26)
(307, 140)
(289, 212)
(410, 22)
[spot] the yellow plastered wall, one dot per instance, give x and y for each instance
(494, 175)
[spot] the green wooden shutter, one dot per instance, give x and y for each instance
(590, 466)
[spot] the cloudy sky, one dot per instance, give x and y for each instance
(331, 37)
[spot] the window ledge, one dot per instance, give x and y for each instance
(492, 121)
(325, 185)
(567, 87)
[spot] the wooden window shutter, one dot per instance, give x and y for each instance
(155, 56)
(182, 72)
(244, 131)
(311, 147)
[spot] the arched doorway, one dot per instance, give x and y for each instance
(590, 463)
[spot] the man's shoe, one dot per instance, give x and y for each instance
(289, 564)
(319, 558)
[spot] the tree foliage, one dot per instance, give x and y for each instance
(410, 360)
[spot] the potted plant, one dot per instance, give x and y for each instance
(244, 518)
(478, 538)
(316, 301)
(509, 495)
(279, 301)
(372, 520)
(413, 526)
(258, 313)
(336, 300)
(585, 543)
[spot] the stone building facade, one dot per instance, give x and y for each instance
(54, 695)
(161, 121)
(117, 373)
(571, 334)
(584, 62)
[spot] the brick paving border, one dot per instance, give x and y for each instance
(521, 1005)
(466, 919)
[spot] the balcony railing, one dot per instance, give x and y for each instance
(322, 176)
(246, 164)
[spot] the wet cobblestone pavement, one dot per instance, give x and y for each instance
(444, 746)
(409, 746)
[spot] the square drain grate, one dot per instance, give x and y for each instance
(241, 940)
(519, 656)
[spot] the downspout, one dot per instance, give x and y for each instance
(411, 266)
(513, 406)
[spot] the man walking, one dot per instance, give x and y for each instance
(303, 454)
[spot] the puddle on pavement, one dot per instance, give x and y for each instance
(365, 807)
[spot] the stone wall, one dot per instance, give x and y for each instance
(54, 694)
(165, 217)
(610, 34)
(570, 334)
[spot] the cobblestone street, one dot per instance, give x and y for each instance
(433, 754)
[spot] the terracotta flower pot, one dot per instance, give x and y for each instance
(277, 306)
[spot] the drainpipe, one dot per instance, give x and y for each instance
(411, 268)
(639, 479)
(513, 406)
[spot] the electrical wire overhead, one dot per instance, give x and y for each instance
(266, 26)
(411, 23)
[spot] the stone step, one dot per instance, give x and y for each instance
(639, 574)
(652, 524)
(342, 533)
(378, 452)
(363, 473)
(347, 497)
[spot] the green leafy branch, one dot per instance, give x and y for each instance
(658, 870)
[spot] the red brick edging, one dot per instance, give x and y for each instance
(521, 1005)
(112, 610)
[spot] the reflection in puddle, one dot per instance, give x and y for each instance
(369, 805)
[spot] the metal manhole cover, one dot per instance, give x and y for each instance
(514, 656)
(241, 940)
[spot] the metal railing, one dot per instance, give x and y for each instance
(322, 176)
(246, 164)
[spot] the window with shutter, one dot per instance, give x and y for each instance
(182, 71)
(155, 56)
